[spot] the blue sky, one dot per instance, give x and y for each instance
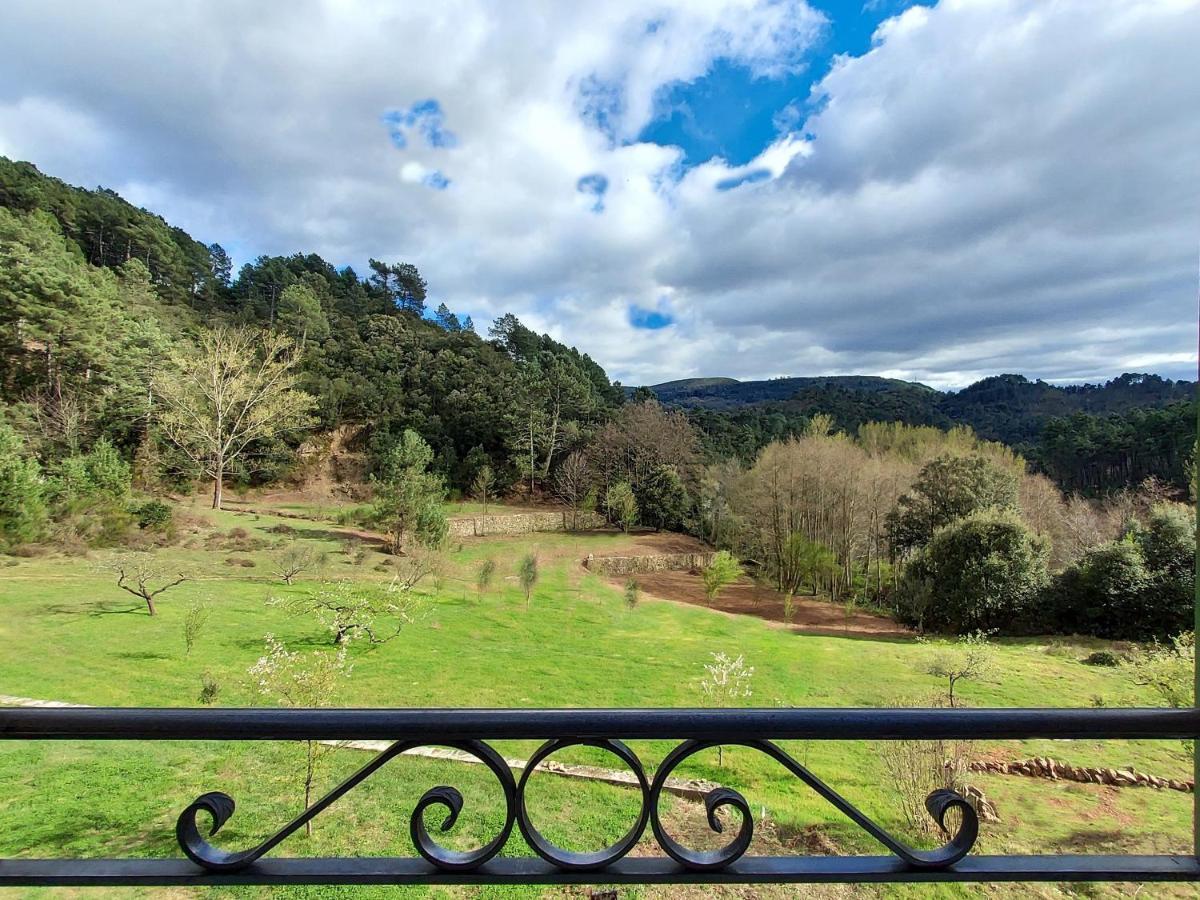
(731, 113)
(981, 186)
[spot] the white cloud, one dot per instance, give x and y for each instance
(998, 185)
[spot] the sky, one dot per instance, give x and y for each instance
(745, 188)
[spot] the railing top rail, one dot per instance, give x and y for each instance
(119, 723)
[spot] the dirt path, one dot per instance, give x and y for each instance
(745, 598)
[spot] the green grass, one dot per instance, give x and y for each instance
(68, 634)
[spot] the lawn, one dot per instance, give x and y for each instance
(68, 634)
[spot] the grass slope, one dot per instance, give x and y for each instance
(67, 634)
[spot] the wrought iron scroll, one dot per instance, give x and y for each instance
(220, 807)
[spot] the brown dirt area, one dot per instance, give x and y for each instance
(811, 616)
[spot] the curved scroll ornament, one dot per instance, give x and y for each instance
(939, 803)
(220, 807)
(567, 859)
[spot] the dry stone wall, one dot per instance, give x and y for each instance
(1044, 767)
(524, 523)
(640, 565)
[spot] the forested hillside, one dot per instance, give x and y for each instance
(138, 366)
(94, 290)
(1089, 437)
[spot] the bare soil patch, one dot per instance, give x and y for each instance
(810, 615)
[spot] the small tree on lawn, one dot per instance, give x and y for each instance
(527, 575)
(303, 680)
(971, 658)
(194, 620)
(139, 573)
(726, 683)
(353, 611)
(723, 571)
(483, 484)
(631, 593)
(293, 560)
(622, 505)
(484, 575)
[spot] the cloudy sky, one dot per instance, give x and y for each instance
(749, 188)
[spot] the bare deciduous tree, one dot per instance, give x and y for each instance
(295, 559)
(136, 574)
(573, 486)
(237, 387)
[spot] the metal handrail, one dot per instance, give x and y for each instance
(693, 730)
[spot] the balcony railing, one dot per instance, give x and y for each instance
(470, 731)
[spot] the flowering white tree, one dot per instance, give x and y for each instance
(304, 680)
(358, 612)
(726, 683)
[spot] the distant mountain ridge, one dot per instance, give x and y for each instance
(1009, 408)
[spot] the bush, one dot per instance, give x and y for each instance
(1141, 587)
(153, 515)
(981, 573)
(1104, 593)
(1102, 658)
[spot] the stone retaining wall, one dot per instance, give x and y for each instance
(639, 565)
(1044, 767)
(523, 523)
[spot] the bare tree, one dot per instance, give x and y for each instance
(295, 559)
(62, 416)
(136, 574)
(238, 387)
(573, 486)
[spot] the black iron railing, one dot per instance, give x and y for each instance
(470, 731)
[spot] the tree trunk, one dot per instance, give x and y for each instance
(217, 487)
(150, 605)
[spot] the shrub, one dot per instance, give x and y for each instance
(1102, 658)
(210, 689)
(1139, 588)
(484, 575)
(1168, 545)
(981, 573)
(631, 593)
(621, 505)
(153, 515)
(723, 571)
(527, 574)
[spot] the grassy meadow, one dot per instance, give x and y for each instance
(67, 633)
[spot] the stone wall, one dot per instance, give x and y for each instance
(523, 523)
(639, 565)
(1044, 767)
